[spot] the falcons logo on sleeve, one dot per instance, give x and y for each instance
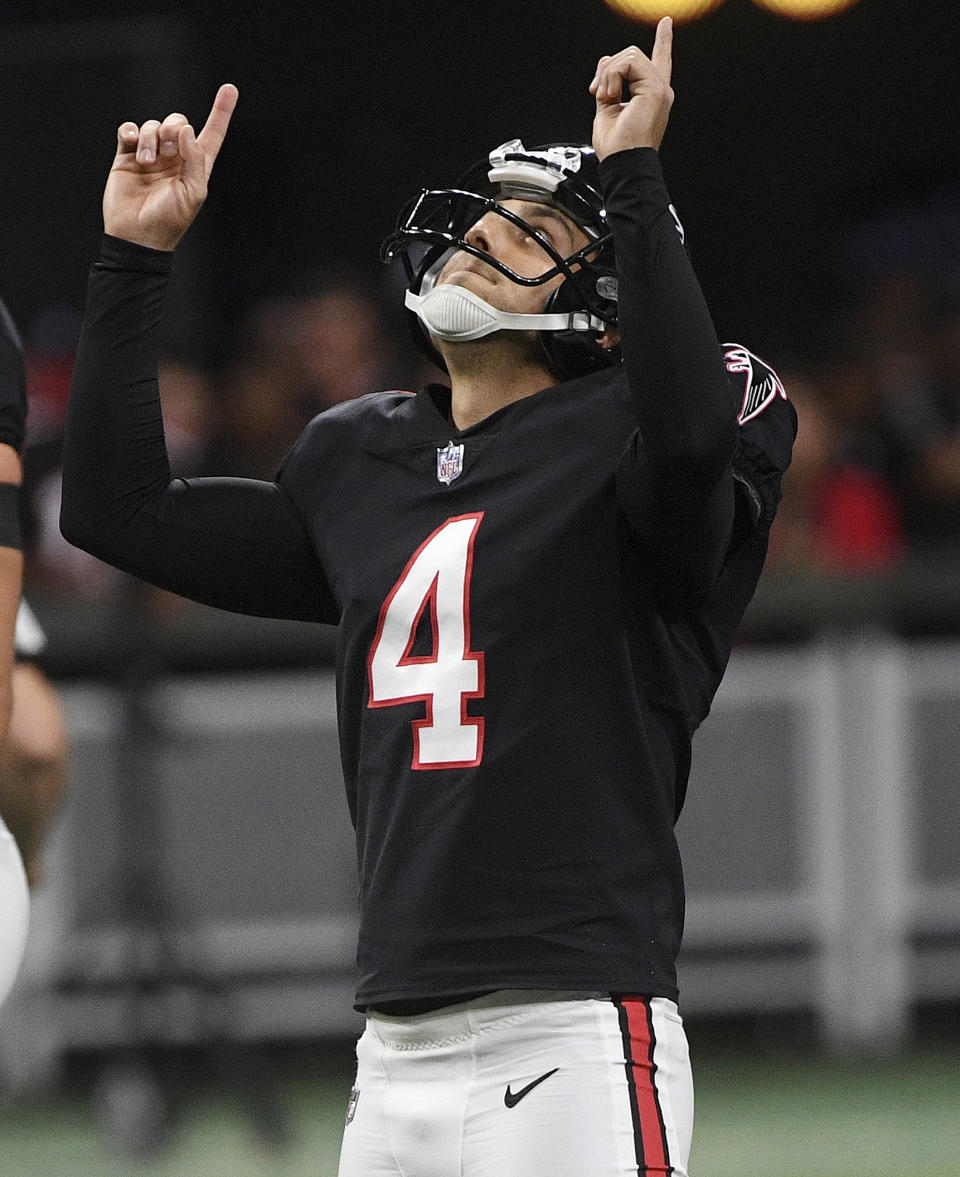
(761, 384)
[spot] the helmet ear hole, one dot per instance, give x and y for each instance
(570, 354)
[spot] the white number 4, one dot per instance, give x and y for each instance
(436, 583)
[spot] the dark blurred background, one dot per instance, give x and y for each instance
(788, 139)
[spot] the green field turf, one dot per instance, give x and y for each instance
(798, 1117)
(828, 1119)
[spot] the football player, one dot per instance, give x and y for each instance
(538, 573)
(33, 757)
(14, 897)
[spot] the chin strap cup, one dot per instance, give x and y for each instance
(458, 315)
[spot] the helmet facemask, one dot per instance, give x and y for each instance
(434, 225)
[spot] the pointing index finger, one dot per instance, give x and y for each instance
(215, 128)
(662, 54)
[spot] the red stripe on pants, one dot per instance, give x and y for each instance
(639, 1043)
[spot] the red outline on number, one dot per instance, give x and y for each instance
(408, 659)
(469, 655)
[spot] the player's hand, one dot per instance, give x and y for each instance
(158, 181)
(642, 120)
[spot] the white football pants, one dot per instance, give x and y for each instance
(14, 911)
(523, 1084)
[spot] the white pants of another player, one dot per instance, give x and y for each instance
(14, 911)
(523, 1084)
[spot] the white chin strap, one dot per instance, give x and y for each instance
(458, 315)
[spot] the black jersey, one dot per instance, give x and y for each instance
(515, 711)
(534, 614)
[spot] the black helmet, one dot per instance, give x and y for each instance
(565, 175)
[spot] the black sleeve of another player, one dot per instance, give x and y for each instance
(676, 482)
(13, 385)
(236, 544)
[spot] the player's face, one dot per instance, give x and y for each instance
(513, 246)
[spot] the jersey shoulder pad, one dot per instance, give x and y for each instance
(333, 432)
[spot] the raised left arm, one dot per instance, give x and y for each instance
(676, 483)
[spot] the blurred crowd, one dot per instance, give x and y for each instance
(875, 479)
(331, 337)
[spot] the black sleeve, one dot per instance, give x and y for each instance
(13, 383)
(676, 481)
(237, 544)
(704, 635)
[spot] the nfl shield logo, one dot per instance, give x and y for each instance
(449, 462)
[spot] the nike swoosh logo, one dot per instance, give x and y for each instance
(511, 1099)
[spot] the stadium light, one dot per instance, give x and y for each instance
(652, 10)
(805, 9)
(686, 10)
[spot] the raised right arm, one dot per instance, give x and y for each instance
(237, 544)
